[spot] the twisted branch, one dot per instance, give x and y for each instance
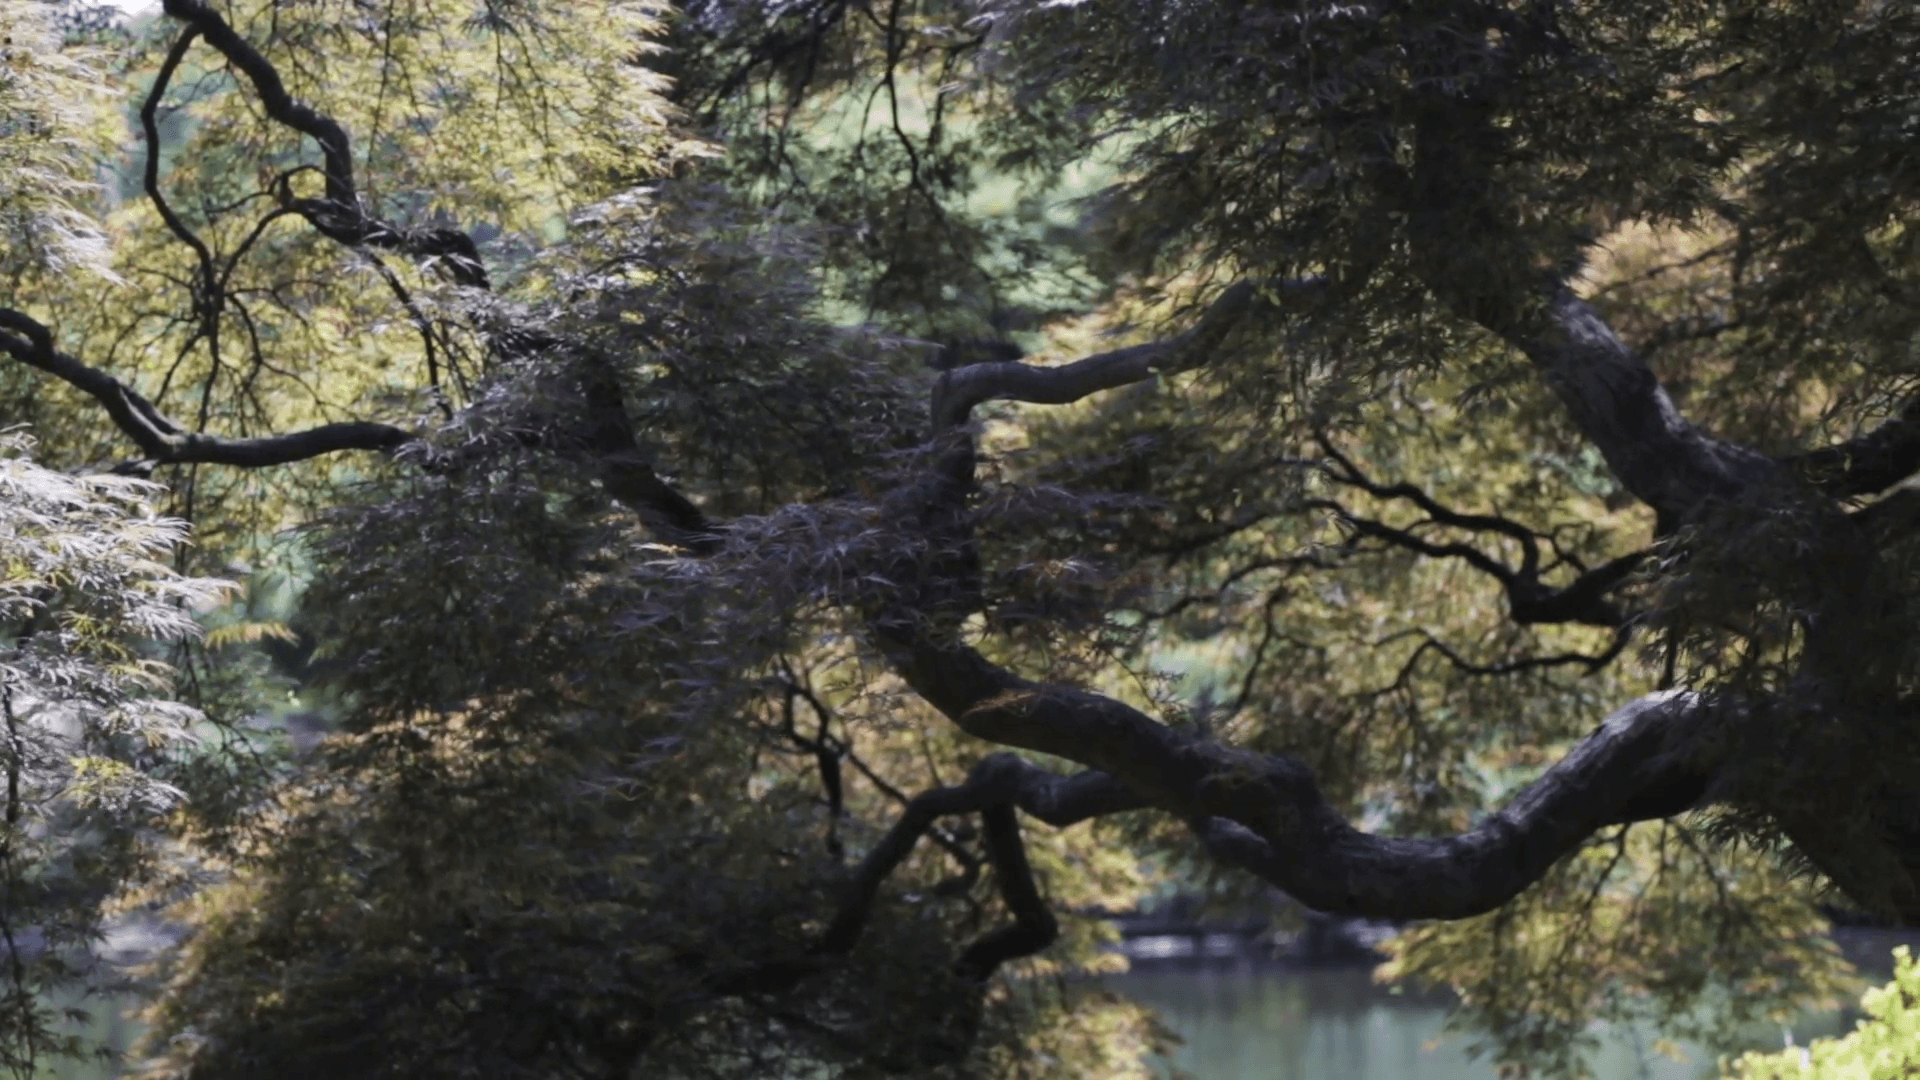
(1649, 759)
(1529, 600)
(340, 215)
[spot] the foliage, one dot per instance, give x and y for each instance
(91, 730)
(1646, 928)
(49, 134)
(1885, 1044)
(687, 450)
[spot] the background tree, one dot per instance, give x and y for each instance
(1881, 1045)
(719, 537)
(92, 738)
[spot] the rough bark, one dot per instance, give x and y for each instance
(1619, 405)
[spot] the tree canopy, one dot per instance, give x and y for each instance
(790, 508)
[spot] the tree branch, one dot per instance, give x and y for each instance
(960, 389)
(1867, 464)
(1529, 600)
(1620, 406)
(1429, 643)
(165, 442)
(340, 215)
(1479, 264)
(999, 780)
(1034, 927)
(1265, 812)
(150, 176)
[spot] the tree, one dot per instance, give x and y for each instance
(713, 506)
(91, 735)
(1883, 1045)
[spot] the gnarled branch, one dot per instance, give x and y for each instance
(1649, 759)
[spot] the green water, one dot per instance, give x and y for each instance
(1269, 1023)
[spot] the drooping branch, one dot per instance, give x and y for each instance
(628, 473)
(1033, 927)
(164, 441)
(995, 787)
(998, 780)
(829, 751)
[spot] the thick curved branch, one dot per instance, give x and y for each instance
(1478, 263)
(1635, 767)
(1620, 406)
(960, 389)
(1867, 464)
(1264, 812)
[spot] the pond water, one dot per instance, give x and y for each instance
(1250, 1021)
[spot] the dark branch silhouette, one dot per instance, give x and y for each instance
(164, 441)
(1530, 600)
(341, 214)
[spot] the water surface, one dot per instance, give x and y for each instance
(1265, 1022)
